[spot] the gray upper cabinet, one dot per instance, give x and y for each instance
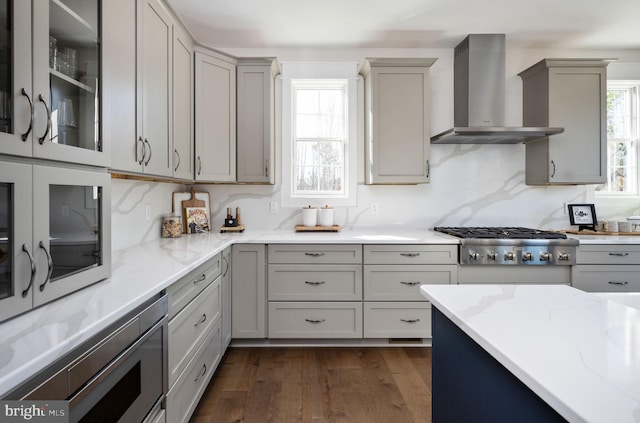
(397, 120)
(255, 114)
(571, 94)
(141, 80)
(215, 124)
(50, 80)
(183, 141)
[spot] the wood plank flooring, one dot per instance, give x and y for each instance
(350, 384)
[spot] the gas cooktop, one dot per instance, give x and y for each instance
(499, 232)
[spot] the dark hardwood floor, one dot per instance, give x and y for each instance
(387, 385)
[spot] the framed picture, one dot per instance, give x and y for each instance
(197, 220)
(583, 215)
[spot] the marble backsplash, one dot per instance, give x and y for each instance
(470, 185)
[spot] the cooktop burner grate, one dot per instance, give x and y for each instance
(499, 232)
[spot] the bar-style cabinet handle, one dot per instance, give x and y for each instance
(410, 320)
(314, 254)
(410, 254)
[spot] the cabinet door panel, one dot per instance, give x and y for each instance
(248, 291)
(155, 38)
(215, 119)
(183, 146)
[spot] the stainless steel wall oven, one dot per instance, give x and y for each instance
(119, 376)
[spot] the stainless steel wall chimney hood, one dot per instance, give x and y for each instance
(478, 96)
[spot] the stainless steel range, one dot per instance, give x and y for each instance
(531, 255)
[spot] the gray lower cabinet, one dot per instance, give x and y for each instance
(194, 337)
(393, 305)
(255, 119)
(248, 291)
(571, 94)
(315, 291)
(607, 268)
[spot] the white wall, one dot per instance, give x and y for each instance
(470, 185)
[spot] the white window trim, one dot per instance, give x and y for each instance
(325, 70)
(622, 198)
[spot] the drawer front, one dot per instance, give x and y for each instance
(188, 287)
(606, 278)
(184, 396)
(191, 325)
(315, 320)
(397, 320)
(608, 254)
(410, 254)
(315, 253)
(402, 283)
(299, 282)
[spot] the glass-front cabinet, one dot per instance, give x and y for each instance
(54, 233)
(50, 80)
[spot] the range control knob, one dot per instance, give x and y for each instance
(562, 256)
(509, 256)
(527, 256)
(493, 256)
(545, 256)
(473, 256)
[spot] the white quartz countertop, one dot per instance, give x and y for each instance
(607, 239)
(31, 342)
(578, 351)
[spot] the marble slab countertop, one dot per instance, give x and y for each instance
(578, 351)
(607, 239)
(31, 342)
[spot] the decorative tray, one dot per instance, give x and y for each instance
(239, 228)
(301, 228)
(590, 232)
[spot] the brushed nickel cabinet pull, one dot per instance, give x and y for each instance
(428, 169)
(314, 282)
(146, 142)
(314, 254)
(175, 169)
(200, 279)
(33, 270)
(49, 264)
(410, 254)
(410, 320)
(140, 156)
(204, 371)
(618, 282)
(553, 173)
(201, 321)
(44, 137)
(226, 267)
(619, 254)
(315, 320)
(412, 283)
(199, 165)
(266, 168)
(26, 134)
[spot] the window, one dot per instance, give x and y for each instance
(622, 139)
(319, 137)
(319, 134)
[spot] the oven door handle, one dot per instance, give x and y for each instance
(112, 366)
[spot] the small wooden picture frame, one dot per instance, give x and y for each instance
(583, 215)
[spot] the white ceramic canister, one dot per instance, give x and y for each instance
(612, 225)
(309, 216)
(325, 216)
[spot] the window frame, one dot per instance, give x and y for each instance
(295, 73)
(635, 139)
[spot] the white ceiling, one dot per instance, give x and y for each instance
(590, 24)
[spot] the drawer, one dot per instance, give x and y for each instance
(191, 325)
(411, 254)
(315, 253)
(295, 282)
(402, 283)
(315, 320)
(184, 396)
(608, 254)
(397, 320)
(595, 278)
(188, 287)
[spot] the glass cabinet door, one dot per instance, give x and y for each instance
(71, 230)
(16, 94)
(67, 67)
(16, 252)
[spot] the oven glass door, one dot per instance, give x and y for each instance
(127, 389)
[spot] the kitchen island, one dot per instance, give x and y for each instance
(532, 353)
